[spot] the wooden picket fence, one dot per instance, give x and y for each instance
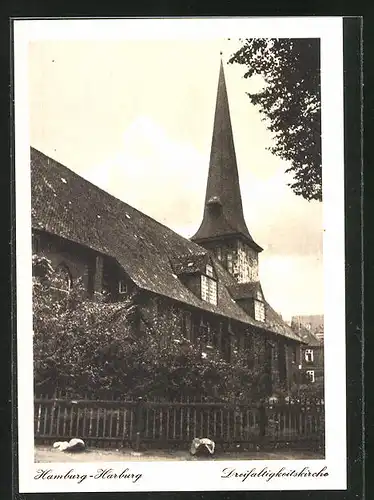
(110, 423)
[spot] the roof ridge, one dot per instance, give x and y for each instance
(95, 186)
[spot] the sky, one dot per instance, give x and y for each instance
(136, 119)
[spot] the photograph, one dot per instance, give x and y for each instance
(176, 234)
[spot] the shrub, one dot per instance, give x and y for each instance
(82, 345)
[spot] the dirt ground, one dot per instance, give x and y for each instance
(48, 454)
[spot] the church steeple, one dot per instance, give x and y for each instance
(223, 211)
(223, 220)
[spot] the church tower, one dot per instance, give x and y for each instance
(223, 230)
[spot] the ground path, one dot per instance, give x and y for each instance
(49, 454)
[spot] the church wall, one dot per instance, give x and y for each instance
(176, 319)
(79, 261)
(229, 336)
(98, 272)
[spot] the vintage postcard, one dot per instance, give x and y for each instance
(180, 254)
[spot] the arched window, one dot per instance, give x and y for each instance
(64, 278)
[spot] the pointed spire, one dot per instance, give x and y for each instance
(223, 211)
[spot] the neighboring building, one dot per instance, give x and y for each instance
(207, 289)
(312, 322)
(312, 352)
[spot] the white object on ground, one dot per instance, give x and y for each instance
(202, 444)
(74, 444)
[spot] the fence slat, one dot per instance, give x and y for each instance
(124, 416)
(181, 424)
(167, 423)
(71, 421)
(90, 424)
(58, 420)
(111, 423)
(154, 424)
(78, 422)
(188, 423)
(117, 422)
(84, 423)
(174, 422)
(228, 425)
(45, 423)
(160, 426)
(195, 423)
(241, 425)
(104, 422)
(131, 424)
(146, 422)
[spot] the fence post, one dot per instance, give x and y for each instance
(139, 422)
(263, 421)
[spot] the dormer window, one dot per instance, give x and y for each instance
(122, 286)
(208, 289)
(259, 310)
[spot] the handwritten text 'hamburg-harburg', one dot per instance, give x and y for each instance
(100, 474)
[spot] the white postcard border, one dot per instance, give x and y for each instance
(194, 476)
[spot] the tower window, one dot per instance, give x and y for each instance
(208, 289)
(310, 375)
(209, 270)
(259, 310)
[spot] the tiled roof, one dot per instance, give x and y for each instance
(65, 204)
(307, 336)
(245, 290)
(190, 264)
(307, 327)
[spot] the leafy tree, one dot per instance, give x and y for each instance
(85, 346)
(291, 104)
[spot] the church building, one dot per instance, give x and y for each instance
(206, 288)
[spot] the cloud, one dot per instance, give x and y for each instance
(293, 285)
(278, 220)
(162, 177)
